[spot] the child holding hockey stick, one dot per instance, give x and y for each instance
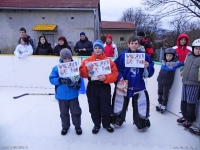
(66, 92)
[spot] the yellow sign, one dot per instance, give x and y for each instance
(46, 27)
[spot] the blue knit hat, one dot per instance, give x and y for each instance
(98, 43)
(82, 33)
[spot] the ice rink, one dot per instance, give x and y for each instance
(33, 122)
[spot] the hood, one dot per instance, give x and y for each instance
(182, 36)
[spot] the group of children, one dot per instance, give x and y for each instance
(99, 90)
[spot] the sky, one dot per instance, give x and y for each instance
(112, 10)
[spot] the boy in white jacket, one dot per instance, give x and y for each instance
(24, 49)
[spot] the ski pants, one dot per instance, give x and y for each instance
(73, 106)
(163, 93)
(189, 100)
(99, 100)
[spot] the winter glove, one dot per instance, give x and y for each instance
(75, 82)
(66, 81)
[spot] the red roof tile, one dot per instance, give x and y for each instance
(117, 25)
(49, 3)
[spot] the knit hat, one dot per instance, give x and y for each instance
(141, 33)
(109, 36)
(98, 43)
(65, 53)
(82, 33)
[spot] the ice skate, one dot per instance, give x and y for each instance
(163, 109)
(181, 120)
(158, 107)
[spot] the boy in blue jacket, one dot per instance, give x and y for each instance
(135, 76)
(66, 92)
(166, 77)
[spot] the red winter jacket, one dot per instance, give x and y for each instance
(182, 51)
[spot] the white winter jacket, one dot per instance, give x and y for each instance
(23, 51)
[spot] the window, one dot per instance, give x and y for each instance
(121, 38)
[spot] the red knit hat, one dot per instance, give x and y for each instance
(109, 36)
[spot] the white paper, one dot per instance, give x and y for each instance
(100, 67)
(134, 60)
(68, 69)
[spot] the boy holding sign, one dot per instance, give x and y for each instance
(133, 65)
(100, 71)
(67, 91)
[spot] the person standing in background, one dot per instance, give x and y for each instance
(110, 48)
(83, 47)
(22, 32)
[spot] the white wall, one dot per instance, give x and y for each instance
(34, 71)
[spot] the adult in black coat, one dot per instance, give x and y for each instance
(62, 43)
(83, 47)
(43, 47)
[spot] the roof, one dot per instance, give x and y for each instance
(49, 3)
(117, 25)
(45, 27)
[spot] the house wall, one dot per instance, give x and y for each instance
(70, 28)
(116, 34)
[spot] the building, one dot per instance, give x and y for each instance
(50, 18)
(120, 31)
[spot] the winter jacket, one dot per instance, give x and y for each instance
(167, 71)
(30, 41)
(110, 78)
(23, 51)
(110, 50)
(84, 44)
(147, 46)
(44, 49)
(132, 74)
(182, 51)
(191, 70)
(58, 48)
(62, 91)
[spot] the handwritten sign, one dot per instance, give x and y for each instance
(134, 60)
(100, 67)
(68, 69)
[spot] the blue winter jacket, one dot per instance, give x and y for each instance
(167, 71)
(62, 92)
(132, 74)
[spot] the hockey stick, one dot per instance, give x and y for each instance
(15, 97)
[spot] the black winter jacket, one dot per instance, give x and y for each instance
(44, 49)
(58, 48)
(84, 44)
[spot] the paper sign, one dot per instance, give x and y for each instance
(134, 60)
(122, 87)
(68, 69)
(100, 67)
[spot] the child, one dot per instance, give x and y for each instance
(24, 49)
(110, 48)
(99, 90)
(191, 85)
(182, 48)
(166, 77)
(67, 96)
(135, 76)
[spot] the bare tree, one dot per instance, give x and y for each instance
(174, 7)
(137, 16)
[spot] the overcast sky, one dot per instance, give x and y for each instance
(111, 10)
